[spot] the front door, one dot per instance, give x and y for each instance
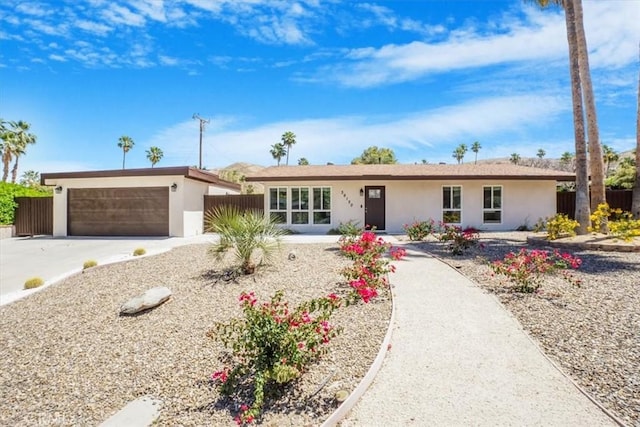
(374, 207)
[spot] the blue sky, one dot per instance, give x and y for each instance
(419, 77)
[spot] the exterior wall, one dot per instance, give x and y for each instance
(523, 202)
(220, 191)
(185, 204)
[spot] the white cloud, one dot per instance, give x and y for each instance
(58, 58)
(33, 9)
(116, 14)
(154, 9)
(340, 139)
(93, 27)
(612, 28)
(168, 60)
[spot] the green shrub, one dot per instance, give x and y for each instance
(244, 232)
(8, 205)
(560, 225)
(34, 282)
(90, 263)
(418, 230)
(349, 228)
(620, 224)
(139, 251)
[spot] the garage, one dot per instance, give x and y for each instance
(126, 211)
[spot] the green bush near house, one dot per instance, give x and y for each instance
(8, 205)
(34, 282)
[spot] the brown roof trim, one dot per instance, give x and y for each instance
(414, 178)
(186, 171)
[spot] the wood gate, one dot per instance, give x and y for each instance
(34, 215)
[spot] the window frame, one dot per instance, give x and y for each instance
(451, 187)
(492, 208)
(300, 210)
(323, 208)
(279, 210)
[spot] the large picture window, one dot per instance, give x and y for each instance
(278, 204)
(322, 205)
(452, 204)
(299, 205)
(492, 204)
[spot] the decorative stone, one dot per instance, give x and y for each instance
(150, 299)
(292, 256)
(341, 395)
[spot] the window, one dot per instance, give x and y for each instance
(452, 204)
(278, 205)
(322, 205)
(492, 204)
(299, 205)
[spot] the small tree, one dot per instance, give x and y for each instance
(126, 144)
(609, 156)
(302, 161)
(30, 178)
(515, 158)
(244, 232)
(374, 155)
(278, 152)
(154, 154)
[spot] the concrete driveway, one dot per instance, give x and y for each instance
(53, 259)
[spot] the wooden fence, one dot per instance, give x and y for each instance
(34, 215)
(566, 201)
(243, 201)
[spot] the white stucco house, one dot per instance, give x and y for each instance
(165, 201)
(486, 196)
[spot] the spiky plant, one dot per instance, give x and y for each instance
(245, 232)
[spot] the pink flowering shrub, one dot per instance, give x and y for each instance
(272, 343)
(459, 239)
(527, 267)
(370, 267)
(418, 230)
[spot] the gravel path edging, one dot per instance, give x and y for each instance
(366, 381)
(541, 351)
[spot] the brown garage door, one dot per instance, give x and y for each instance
(118, 211)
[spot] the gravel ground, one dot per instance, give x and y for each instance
(591, 332)
(67, 358)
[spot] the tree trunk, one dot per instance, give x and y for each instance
(596, 162)
(14, 171)
(582, 178)
(635, 201)
(124, 153)
(5, 166)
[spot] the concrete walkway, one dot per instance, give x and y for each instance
(458, 358)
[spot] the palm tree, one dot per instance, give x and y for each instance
(30, 178)
(582, 178)
(278, 151)
(609, 156)
(475, 147)
(541, 153)
(302, 161)
(288, 140)
(635, 200)
(6, 138)
(21, 139)
(515, 158)
(459, 153)
(566, 160)
(126, 143)
(154, 154)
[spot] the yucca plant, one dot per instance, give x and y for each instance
(244, 232)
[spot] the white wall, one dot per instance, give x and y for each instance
(523, 202)
(185, 204)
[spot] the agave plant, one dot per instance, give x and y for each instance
(245, 232)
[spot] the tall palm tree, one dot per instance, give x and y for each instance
(609, 156)
(475, 147)
(278, 151)
(154, 154)
(288, 140)
(635, 200)
(515, 158)
(21, 139)
(126, 143)
(30, 178)
(582, 178)
(596, 163)
(458, 154)
(5, 151)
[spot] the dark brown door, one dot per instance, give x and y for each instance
(374, 213)
(140, 211)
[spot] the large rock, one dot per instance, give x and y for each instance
(151, 298)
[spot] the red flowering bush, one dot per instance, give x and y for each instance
(272, 343)
(459, 239)
(370, 267)
(527, 267)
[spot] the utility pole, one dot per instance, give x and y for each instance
(196, 116)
